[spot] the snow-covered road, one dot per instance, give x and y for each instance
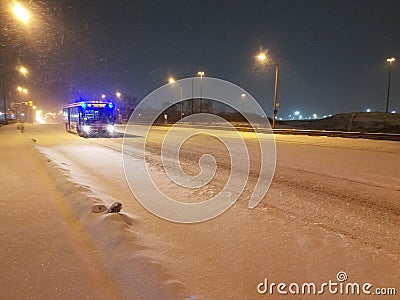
(333, 205)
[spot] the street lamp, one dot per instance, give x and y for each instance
(172, 80)
(243, 95)
(23, 71)
(23, 91)
(119, 95)
(262, 57)
(20, 12)
(103, 96)
(201, 74)
(390, 61)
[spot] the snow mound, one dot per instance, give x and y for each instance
(375, 122)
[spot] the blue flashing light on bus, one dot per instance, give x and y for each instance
(84, 105)
(110, 105)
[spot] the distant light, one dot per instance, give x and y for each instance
(21, 12)
(297, 113)
(103, 96)
(390, 60)
(300, 117)
(325, 116)
(86, 128)
(19, 89)
(171, 80)
(243, 95)
(23, 70)
(262, 57)
(393, 111)
(118, 94)
(200, 73)
(25, 91)
(314, 116)
(368, 110)
(329, 115)
(110, 128)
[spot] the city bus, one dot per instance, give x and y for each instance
(90, 118)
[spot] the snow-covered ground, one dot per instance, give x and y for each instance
(333, 206)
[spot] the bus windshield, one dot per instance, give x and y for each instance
(101, 115)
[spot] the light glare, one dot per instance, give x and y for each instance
(21, 12)
(23, 70)
(262, 56)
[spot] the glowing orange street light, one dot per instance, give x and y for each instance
(171, 79)
(21, 12)
(22, 90)
(23, 70)
(262, 57)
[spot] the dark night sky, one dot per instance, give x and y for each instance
(331, 54)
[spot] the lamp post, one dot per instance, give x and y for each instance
(21, 70)
(3, 78)
(23, 91)
(390, 61)
(23, 15)
(119, 95)
(181, 103)
(243, 96)
(262, 57)
(201, 74)
(171, 80)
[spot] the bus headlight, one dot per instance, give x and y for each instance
(110, 128)
(86, 128)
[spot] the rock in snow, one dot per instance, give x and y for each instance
(115, 208)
